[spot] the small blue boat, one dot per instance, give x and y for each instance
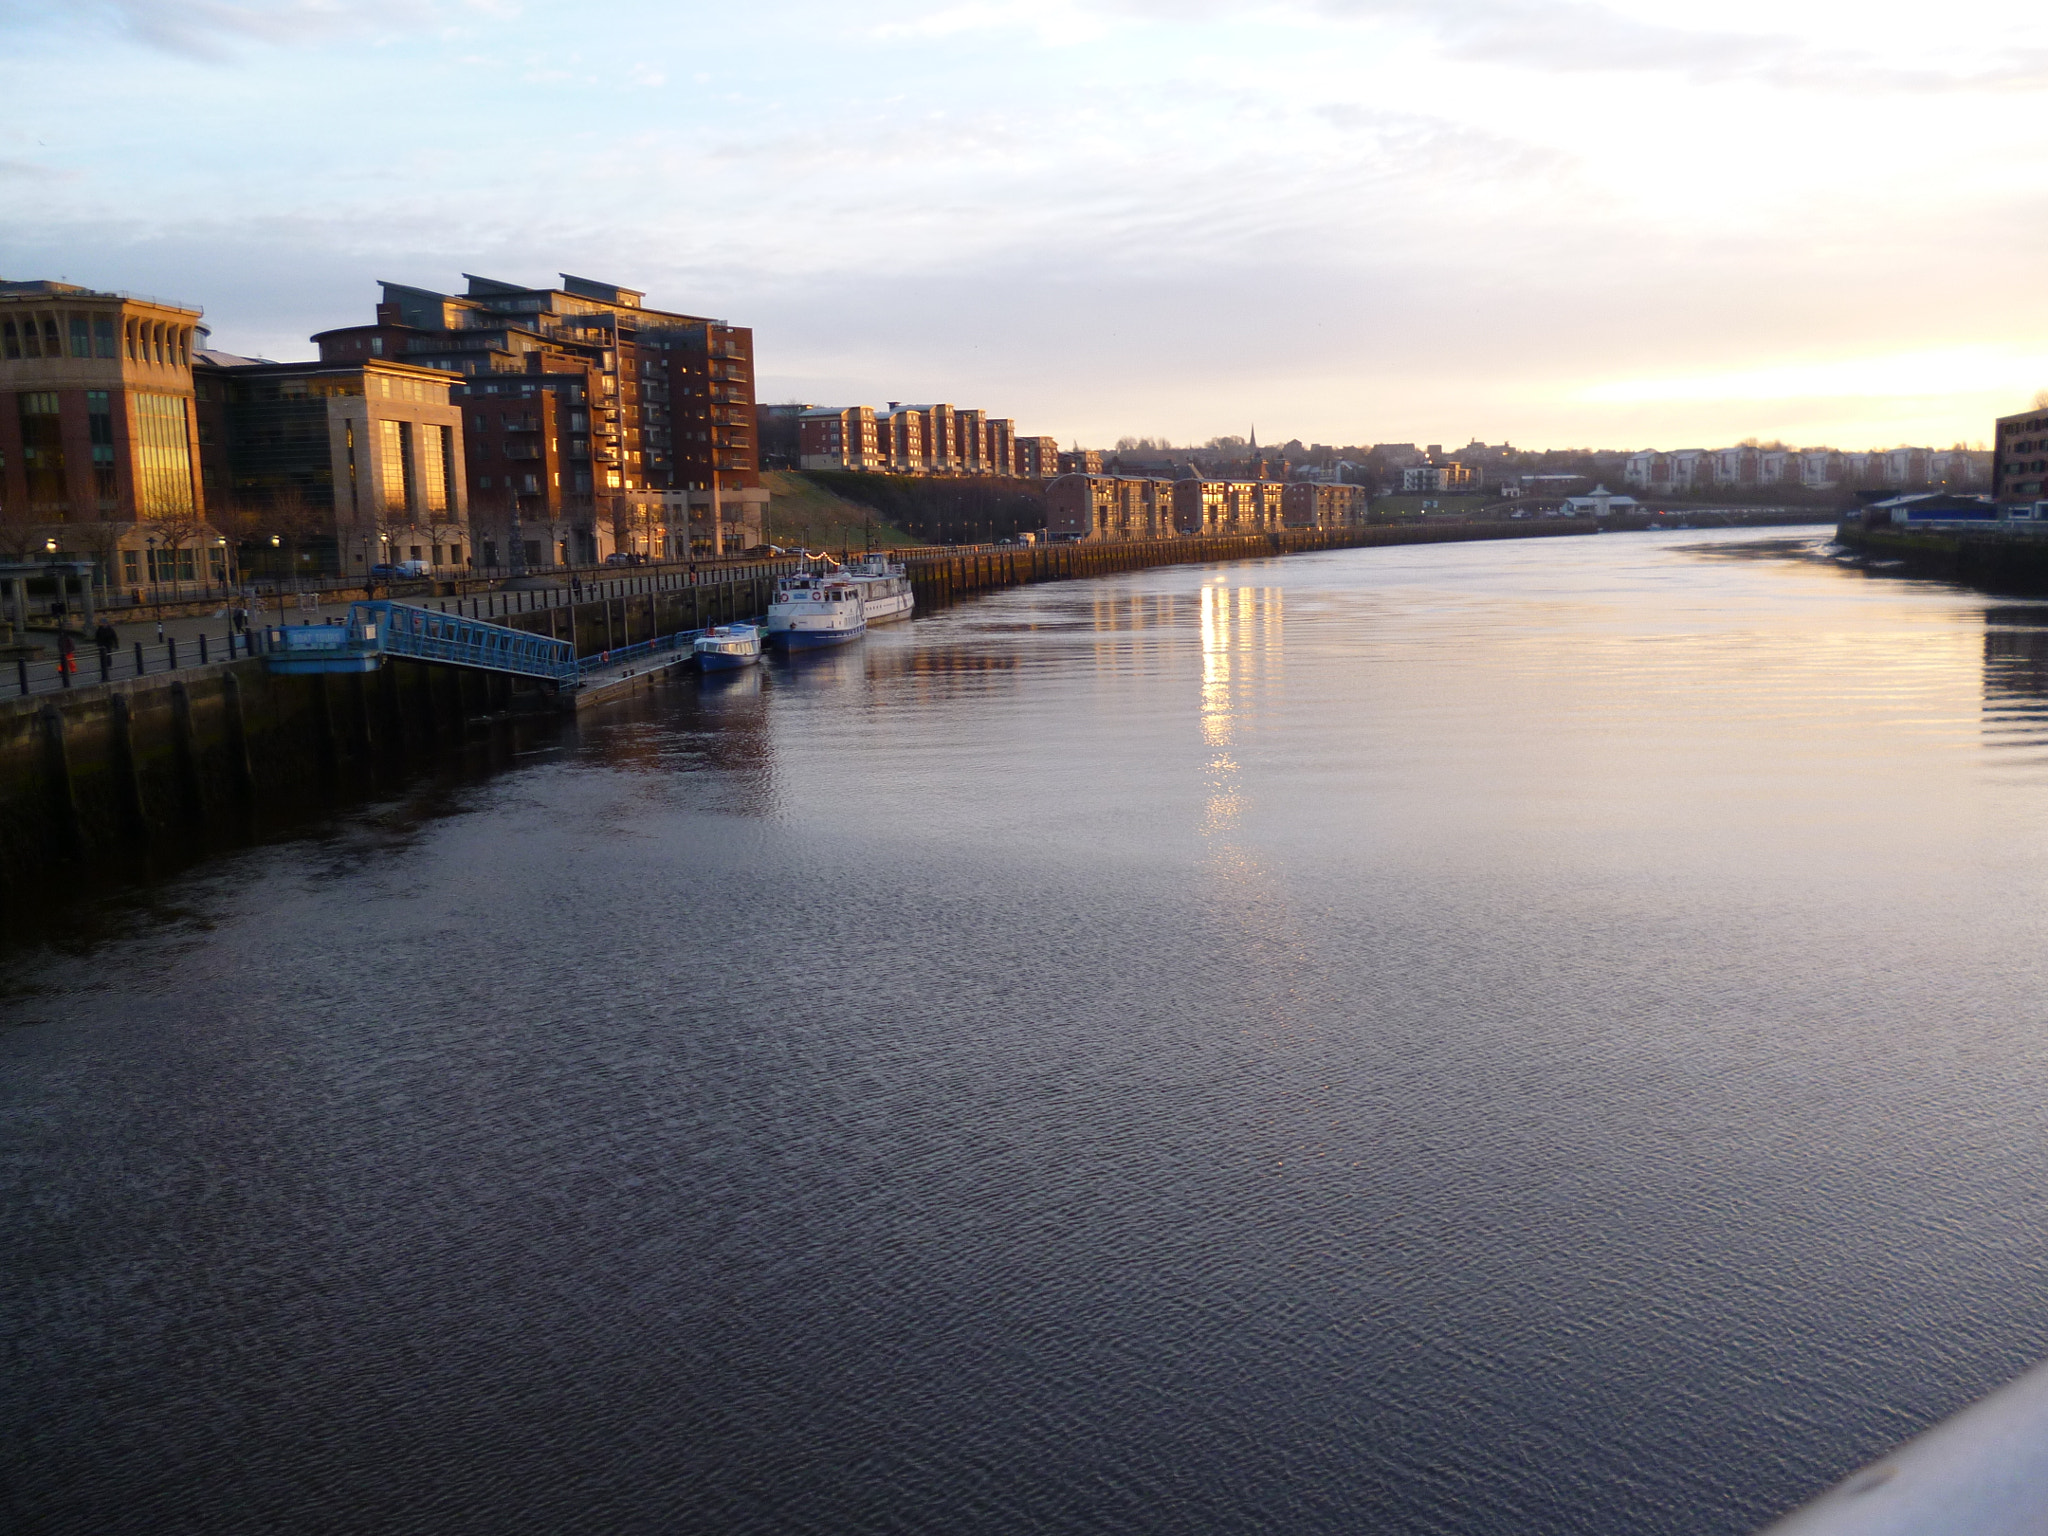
(727, 647)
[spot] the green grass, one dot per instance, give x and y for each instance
(1448, 504)
(802, 514)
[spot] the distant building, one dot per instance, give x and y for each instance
(1447, 476)
(1749, 466)
(1081, 461)
(839, 437)
(1038, 458)
(1935, 508)
(1324, 505)
(1599, 502)
(1109, 508)
(99, 441)
(1211, 507)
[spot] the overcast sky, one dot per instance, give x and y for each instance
(1556, 222)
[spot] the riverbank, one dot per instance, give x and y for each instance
(2014, 564)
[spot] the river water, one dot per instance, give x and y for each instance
(1512, 1038)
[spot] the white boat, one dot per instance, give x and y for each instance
(810, 611)
(726, 646)
(884, 588)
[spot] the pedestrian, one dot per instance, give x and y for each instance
(67, 654)
(159, 631)
(108, 642)
(241, 621)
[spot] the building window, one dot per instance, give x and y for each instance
(433, 468)
(81, 336)
(99, 420)
(42, 453)
(103, 334)
(394, 444)
(163, 457)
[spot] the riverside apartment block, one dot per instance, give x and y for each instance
(919, 440)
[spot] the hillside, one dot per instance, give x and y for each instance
(805, 515)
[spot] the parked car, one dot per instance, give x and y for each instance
(624, 557)
(387, 573)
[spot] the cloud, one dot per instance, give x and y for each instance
(211, 29)
(29, 170)
(1580, 37)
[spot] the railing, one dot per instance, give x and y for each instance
(90, 665)
(421, 633)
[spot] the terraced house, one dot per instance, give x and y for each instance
(98, 438)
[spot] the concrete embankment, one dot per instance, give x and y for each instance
(157, 768)
(1991, 560)
(937, 576)
(153, 768)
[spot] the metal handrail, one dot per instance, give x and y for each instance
(405, 629)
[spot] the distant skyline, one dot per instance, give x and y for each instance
(1555, 222)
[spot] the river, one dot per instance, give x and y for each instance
(1519, 1038)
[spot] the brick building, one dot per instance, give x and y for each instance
(99, 446)
(575, 395)
(1323, 505)
(839, 437)
(1100, 509)
(1204, 506)
(2019, 462)
(1038, 458)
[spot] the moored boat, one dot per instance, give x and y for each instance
(884, 588)
(811, 611)
(725, 647)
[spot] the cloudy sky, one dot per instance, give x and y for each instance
(1557, 222)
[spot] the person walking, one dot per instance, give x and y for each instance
(108, 642)
(67, 655)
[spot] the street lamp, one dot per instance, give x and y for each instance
(155, 595)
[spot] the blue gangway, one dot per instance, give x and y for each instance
(405, 629)
(382, 628)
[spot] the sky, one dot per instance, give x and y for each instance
(1557, 223)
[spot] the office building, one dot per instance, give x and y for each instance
(99, 447)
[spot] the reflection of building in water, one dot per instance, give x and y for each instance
(2016, 669)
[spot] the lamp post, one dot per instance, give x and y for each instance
(155, 595)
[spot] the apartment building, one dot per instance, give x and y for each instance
(1038, 458)
(2019, 465)
(1081, 461)
(1752, 467)
(358, 464)
(1325, 504)
(99, 446)
(1203, 506)
(904, 439)
(900, 438)
(623, 398)
(1109, 508)
(1002, 447)
(839, 437)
